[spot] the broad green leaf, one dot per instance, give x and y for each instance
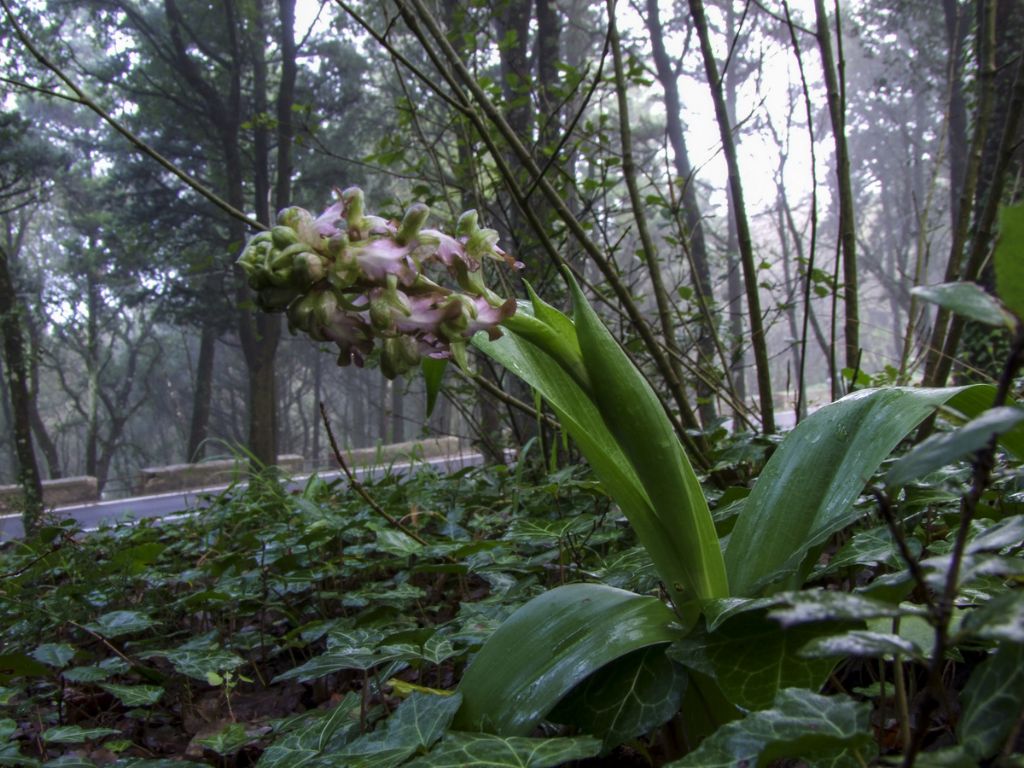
(472, 750)
(550, 645)
(971, 402)
(10, 755)
(1006, 533)
(806, 491)
(312, 735)
(228, 739)
(628, 698)
(949, 757)
(117, 623)
(863, 644)
(76, 734)
(433, 375)
(1009, 258)
(636, 418)
(992, 701)
(579, 417)
(67, 761)
(946, 447)
(967, 299)
(800, 724)
(135, 695)
(135, 559)
(417, 724)
(1001, 619)
(752, 657)
(7, 728)
(56, 655)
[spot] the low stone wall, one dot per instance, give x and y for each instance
(407, 451)
(56, 493)
(206, 474)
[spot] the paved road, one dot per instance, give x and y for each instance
(170, 505)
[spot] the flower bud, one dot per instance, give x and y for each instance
(399, 354)
(415, 216)
(284, 236)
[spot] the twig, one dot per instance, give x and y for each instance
(885, 505)
(358, 487)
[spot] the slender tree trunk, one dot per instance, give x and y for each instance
(16, 372)
(203, 394)
(700, 275)
(837, 113)
(92, 350)
(746, 248)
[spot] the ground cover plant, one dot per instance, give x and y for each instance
(846, 609)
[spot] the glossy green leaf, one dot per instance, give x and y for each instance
(636, 418)
(806, 491)
(437, 648)
(135, 695)
(752, 657)
(10, 755)
(1009, 258)
(946, 447)
(117, 623)
(76, 734)
(627, 698)
(1003, 534)
(992, 701)
(66, 761)
(55, 655)
(800, 724)
(967, 299)
(304, 742)
(580, 418)
(871, 547)
(433, 375)
(418, 723)
(473, 750)
(550, 645)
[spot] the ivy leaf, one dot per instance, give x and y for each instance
(91, 674)
(479, 750)
(800, 724)
(870, 547)
(135, 695)
(862, 643)
(992, 701)
(335, 661)
(1005, 533)
(1001, 618)
(1009, 258)
(67, 761)
(945, 448)
(54, 654)
(627, 698)
(437, 649)
(228, 739)
(416, 725)
(118, 623)
(308, 737)
(76, 734)
(198, 663)
(817, 605)
(752, 658)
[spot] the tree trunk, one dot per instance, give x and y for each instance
(203, 394)
(17, 385)
(746, 248)
(700, 271)
(833, 73)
